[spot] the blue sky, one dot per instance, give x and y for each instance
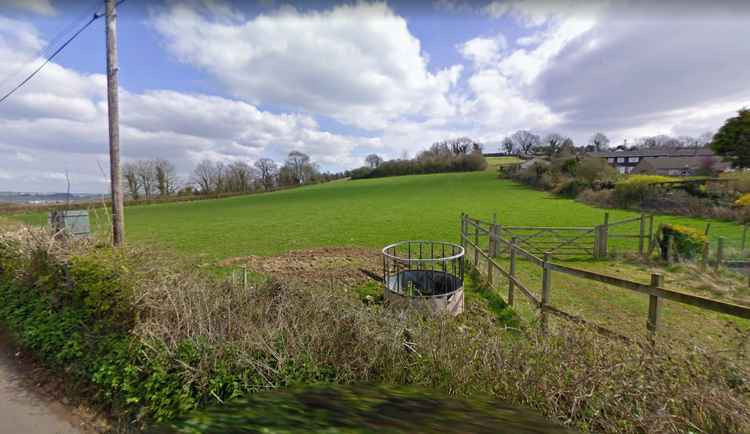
(223, 80)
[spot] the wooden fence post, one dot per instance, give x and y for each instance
(244, 277)
(492, 243)
(597, 243)
(650, 231)
(642, 234)
(604, 238)
(720, 253)
(463, 230)
(546, 287)
(704, 261)
(511, 269)
(657, 281)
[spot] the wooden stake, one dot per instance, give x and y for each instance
(641, 234)
(511, 269)
(657, 281)
(546, 287)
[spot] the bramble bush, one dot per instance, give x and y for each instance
(152, 338)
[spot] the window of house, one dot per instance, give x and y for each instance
(633, 159)
(620, 159)
(611, 159)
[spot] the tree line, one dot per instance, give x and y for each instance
(455, 155)
(525, 142)
(147, 179)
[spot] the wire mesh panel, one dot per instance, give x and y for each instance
(425, 272)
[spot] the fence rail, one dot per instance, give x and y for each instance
(472, 228)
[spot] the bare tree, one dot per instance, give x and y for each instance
(373, 160)
(130, 173)
(524, 140)
(458, 146)
(166, 177)
(508, 145)
(146, 172)
(599, 141)
(240, 177)
(204, 175)
(553, 142)
(296, 161)
(267, 170)
(659, 141)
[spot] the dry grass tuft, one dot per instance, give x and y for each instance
(273, 335)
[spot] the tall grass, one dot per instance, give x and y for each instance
(192, 339)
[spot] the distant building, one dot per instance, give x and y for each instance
(676, 161)
(678, 166)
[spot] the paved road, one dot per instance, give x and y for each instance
(23, 411)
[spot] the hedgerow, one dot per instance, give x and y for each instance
(153, 338)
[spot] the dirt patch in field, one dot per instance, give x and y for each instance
(335, 266)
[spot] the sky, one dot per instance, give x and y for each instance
(242, 80)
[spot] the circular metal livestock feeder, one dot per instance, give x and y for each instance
(425, 273)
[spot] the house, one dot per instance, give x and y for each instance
(626, 161)
(678, 166)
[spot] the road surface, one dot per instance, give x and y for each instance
(24, 411)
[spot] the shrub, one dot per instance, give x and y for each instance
(637, 188)
(595, 169)
(193, 340)
(739, 181)
(602, 198)
(743, 201)
(687, 241)
(570, 187)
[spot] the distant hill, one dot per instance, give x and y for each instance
(44, 198)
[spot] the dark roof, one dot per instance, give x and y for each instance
(657, 152)
(666, 163)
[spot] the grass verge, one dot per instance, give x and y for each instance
(154, 341)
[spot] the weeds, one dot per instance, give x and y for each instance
(156, 340)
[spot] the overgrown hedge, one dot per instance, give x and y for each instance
(152, 338)
(688, 242)
(473, 161)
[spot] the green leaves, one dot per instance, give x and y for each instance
(733, 139)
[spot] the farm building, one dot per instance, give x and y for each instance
(676, 161)
(679, 166)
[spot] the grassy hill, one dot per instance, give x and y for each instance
(370, 213)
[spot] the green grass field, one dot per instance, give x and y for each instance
(373, 213)
(370, 213)
(494, 162)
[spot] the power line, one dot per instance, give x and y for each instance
(49, 58)
(52, 56)
(95, 17)
(49, 47)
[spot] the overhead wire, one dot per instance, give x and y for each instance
(49, 58)
(49, 46)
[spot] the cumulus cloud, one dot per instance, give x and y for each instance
(43, 7)
(356, 63)
(483, 51)
(60, 123)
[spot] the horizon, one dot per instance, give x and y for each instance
(231, 80)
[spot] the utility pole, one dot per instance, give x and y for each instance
(118, 218)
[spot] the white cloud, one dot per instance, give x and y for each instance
(483, 51)
(357, 63)
(60, 123)
(43, 7)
